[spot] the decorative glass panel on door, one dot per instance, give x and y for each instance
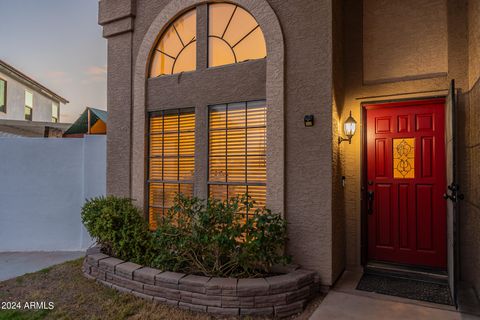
(404, 158)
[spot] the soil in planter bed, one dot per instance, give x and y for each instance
(260, 275)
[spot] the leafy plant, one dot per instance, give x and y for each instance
(118, 226)
(209, 237)
(214, 238)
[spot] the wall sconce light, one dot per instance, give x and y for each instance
(349, 128)
(308, 120)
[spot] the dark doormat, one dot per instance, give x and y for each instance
(406, 288)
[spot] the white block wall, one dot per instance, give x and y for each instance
(43, 185)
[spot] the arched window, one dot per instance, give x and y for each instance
(236, 143)
(233, 36)
(176, 51)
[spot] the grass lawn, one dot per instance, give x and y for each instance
(76, 297)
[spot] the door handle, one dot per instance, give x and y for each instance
(370, 197)
(454, 194)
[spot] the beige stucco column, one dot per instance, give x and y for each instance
(117, 17)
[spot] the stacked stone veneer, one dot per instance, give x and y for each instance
(279, 296)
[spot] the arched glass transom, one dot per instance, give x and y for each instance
(176, 51)
(233, 35)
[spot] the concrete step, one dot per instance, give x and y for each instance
(407, 272)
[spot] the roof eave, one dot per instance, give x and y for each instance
(33, 82)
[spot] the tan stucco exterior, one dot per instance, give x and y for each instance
(420, 36)
(461, 34)
(299, 173)
(357, 91)
(470, 157)
(326, 58)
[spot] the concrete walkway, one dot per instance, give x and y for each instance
(339, 305)
(14, 264)
(343, 302)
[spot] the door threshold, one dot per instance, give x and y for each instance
(409, 272)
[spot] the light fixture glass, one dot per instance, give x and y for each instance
(349, 128)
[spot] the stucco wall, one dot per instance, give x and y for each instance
(338, 213)
(338, 164)
(119, 101)
(404, 39)
(43, 186)
(474, 41)
(307, 30)
(470, 159)
(42, 105)
(357, 92)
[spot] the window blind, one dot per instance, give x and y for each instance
(171, 159)
(237, 151)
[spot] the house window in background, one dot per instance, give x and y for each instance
(171, 159)
(55, 112)
(237, 151)
(28, 105)
(3, 96)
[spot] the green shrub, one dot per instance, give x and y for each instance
(117, 225)
(208, 237)
(211, 237)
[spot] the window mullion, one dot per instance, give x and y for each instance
(226, 147)
(201, 151)
(246, 143)
(246, 156)
(163, 161)
(202, 36)
(178, 148)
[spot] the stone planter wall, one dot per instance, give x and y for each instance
(278, 296)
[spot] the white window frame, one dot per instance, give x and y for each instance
(57, 115)
(27, 106)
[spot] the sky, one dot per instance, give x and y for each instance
(58, 43)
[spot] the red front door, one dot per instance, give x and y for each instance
(406, 182)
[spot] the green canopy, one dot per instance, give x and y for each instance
(81, 125)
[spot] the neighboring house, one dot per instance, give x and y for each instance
(91, 121)
(32, 129)
(23, 98)
(215, 99)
